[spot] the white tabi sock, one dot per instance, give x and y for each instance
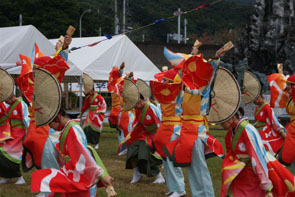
(20, 181)
(4, 180)
(159, 179)
(176, 194)
(136, 175)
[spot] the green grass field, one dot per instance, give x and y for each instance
(116, 168)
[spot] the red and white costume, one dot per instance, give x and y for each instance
(75, 177)
(97, 107)
(269, 128)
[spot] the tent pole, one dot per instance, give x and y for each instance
(66, 92)
(80, 98)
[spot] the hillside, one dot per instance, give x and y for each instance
(53, 17)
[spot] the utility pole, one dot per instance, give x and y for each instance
(20, 20)
(185, 23)
(178, 26)
(124, 15)
(116, 17)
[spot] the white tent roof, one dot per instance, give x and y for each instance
(98, 60)
(20, 40)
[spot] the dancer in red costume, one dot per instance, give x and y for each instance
(248, 169)
(287, 155)
(11, 151)
(270, 129)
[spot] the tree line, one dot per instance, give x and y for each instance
(52, 17)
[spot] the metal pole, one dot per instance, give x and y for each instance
(20, 20)
(86, 11)
(185, 23)
(178, 26)
(116, 17)
(124, 15)
(80, 97)
(99, 31)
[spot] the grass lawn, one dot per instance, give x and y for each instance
(116, 168)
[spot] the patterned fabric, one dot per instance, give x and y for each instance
(165, 93)
(196, 73)
(159, 76)
(278, 95)
(25, 81)
(145, 120)
(269, 128)
(174, 58)
(19, 121)
(248, 169)
(287, 154)
(97, 107)
(77, 174)
(114, 85)
(126, 120)
(57, 66)
(35, 142)
(170, 118)
(5, 132)
(116, 109)
(194, 121)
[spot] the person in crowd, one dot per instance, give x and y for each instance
(79, 172)
(189, 149)
(243, 143)
(270, 129)
(139, 153)
(11, 151)
(287, 154)
(170, 126)
(93, 124)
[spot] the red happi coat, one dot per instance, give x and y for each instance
(126, 119)
(248, 169)
(166, 94)
(97, 107)
(114, 85)
(4, 124)
(269, 128)
(78, 172)
(19, 121)
(197, 76)
(145, 124)
(288, 151)
(116, 109)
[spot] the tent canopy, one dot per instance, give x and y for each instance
(98, 60)
(20, 40)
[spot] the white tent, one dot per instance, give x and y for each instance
(98, 60)
(20, 40)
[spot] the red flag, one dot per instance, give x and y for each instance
(25, 81)
(202, 6)
(26, 65)
(37, 52)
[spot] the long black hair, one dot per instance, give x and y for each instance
(240, 113)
